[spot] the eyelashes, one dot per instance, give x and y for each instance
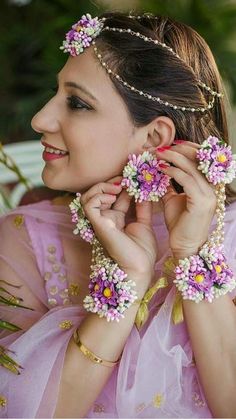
(73, 102)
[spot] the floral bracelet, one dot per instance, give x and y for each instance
(110, 292)
(206, 276)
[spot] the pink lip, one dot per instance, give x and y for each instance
(49, 156)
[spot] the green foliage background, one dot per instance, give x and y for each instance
(30, 37)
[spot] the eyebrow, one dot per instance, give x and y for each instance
(78, 86)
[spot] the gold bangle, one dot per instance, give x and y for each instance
(89, 354)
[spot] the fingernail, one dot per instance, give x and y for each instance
(163, 166)
(117, 183)
(167, 147)
(178, 141)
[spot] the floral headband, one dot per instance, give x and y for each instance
(82, 35)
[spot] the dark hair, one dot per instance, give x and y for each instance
(155, 70)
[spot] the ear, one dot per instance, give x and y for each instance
(160, 132)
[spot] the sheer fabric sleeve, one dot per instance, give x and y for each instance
(40, 343)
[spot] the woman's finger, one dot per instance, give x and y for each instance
(185, 143)
(105, 229)
(144, 213)
(191, 188)
(93, 206)
(122, 202)
(188, 183)
(186, 161)
(100, 188)
(169, 194)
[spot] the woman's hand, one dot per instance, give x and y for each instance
(188, 215)
(132, 245)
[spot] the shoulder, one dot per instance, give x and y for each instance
(15, 220)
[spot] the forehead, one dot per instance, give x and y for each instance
(85, 69)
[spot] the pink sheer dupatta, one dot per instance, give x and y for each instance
(156, 376)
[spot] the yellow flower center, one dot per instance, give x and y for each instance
(107, 292)
(221, 158)
(199, 278)
(218, 269)
(96, 287)
(147, 176)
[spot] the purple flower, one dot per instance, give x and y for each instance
(216, 161)
(204, 276)
(201, 280)
(81, 34)
(143, 178)
(104, 290)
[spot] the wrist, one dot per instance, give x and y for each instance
(142, 282)
(182, 254)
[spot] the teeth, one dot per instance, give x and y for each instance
(54, 151)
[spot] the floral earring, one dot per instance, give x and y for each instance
(143, 178)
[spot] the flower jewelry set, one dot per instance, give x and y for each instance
(204, 276)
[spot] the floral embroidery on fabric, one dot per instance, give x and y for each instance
(62, 277)
(18, 221)
(51, 249)
(53, 290)
(56, 285)
(3, 401)
(66, 301)
(140, 407)
(198, 401)
(99, 408)
(56, 268)
(74, 289)
(158, 400)
(64, 293)
(52, 301)
(51, 259)
(66, 324)
(47, 276)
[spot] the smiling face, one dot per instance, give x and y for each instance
(88, 119)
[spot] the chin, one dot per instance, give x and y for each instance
(50, 181)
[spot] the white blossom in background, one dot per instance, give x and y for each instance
(19, 2)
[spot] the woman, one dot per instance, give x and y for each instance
(161, 367)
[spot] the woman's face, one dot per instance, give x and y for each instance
(88, 119)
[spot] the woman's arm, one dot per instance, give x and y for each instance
(212, 331)
(82, 380)
(211, 326)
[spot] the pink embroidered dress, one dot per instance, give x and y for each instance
(156, 376)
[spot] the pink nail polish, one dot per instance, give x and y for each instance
(166, 147)
(117, 183)
(163, 166)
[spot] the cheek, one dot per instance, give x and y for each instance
(99, 146)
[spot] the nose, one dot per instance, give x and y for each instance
(46, 120)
